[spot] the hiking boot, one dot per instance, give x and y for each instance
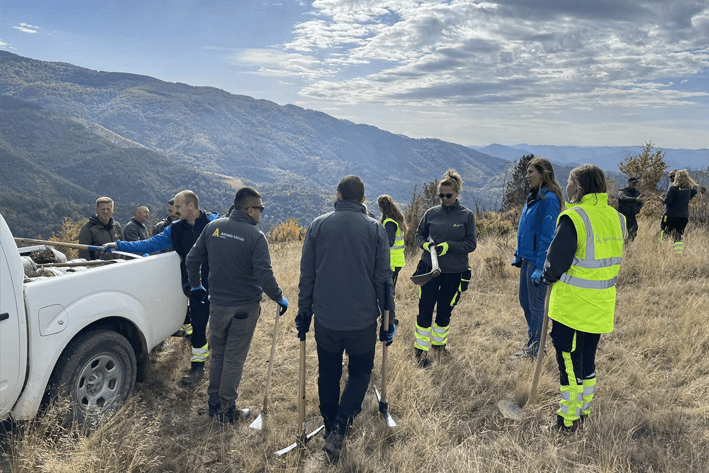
(185, 331)
(215, 410)
(561, 427)
(527, 352)
(442, 351)
(193, 379)
(422, 360)
(231, 415)
(333, 446)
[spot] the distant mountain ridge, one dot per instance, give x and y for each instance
(294, 156)
(607, 157)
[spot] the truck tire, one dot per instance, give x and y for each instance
(97, 372)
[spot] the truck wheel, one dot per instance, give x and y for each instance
(97, 372)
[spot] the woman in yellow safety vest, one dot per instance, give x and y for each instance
(582, 263)
(393, 221)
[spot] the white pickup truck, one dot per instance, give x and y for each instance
(85, 334)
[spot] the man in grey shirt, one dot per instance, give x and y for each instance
(239, 273)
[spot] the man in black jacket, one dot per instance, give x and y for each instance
(181, 236)
(136, 230)
(629, 204)
(100, 229)
(344, 273)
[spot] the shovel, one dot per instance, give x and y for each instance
(510, 409)
(258, 422)
(73, 245)
(382, 398)
(302, 438)
(421, 279)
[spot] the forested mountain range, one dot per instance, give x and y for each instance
(69, 134)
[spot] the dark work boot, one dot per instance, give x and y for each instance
(421, 359)
(231, 414)
(215, 410)
(195, 376)
(333, 446)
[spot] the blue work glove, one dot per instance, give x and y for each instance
(109, 247)
(427, 246)
(302, 323)
(387, 336)
(442, 248)
(198, 295)
(517, 262)
(284, 305)
(537, 277)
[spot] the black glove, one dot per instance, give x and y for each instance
(387, 336)
(198, 295)
(302, 323)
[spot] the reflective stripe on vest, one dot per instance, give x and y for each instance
(398, 259)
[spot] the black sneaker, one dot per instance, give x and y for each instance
(442, 351)
(193, 379)
(333, 446)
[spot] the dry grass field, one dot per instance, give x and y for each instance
(650, 413)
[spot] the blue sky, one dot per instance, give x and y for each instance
(557, 72)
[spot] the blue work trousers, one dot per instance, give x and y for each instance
(531, 298)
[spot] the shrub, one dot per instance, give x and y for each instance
(288, 230)
(69, 233)
(493, 223)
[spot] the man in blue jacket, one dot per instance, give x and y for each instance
(344, 273)
(181, 235)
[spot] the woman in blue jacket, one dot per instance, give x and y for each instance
(536, 230)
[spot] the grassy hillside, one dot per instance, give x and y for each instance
(650, 412)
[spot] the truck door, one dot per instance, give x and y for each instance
(12, 336)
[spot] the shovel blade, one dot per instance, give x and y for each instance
(299, 442)
(421, 279)
(384, 409)
(257, 424)
(510, 410)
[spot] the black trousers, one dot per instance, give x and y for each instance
(442, 293)
(360, 346)
(199, 313)
(674, 226)
(632, 224)
(578, 347)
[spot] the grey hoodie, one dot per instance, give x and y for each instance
(239, 262)
(344, 268)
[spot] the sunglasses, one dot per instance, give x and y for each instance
(261, 208)
(447, 196)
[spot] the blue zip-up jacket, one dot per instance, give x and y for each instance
(536, 226)
(181, 236)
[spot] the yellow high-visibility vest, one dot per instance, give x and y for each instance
(585, 295)
(397, 251)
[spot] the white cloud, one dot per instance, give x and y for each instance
(27, 28)
(547, 53)
(272, 62)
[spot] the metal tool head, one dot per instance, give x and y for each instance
(384, 409)
(510, 410)
(257, 424)
(300, 442)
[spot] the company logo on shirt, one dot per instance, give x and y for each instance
(224, 235)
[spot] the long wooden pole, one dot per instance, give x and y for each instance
(76, 246)
(541, 348)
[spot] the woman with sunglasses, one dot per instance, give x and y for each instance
(535, 232)
(450, 229)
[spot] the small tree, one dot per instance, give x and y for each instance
(517, 188)
(648, 166)
(420, 202)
